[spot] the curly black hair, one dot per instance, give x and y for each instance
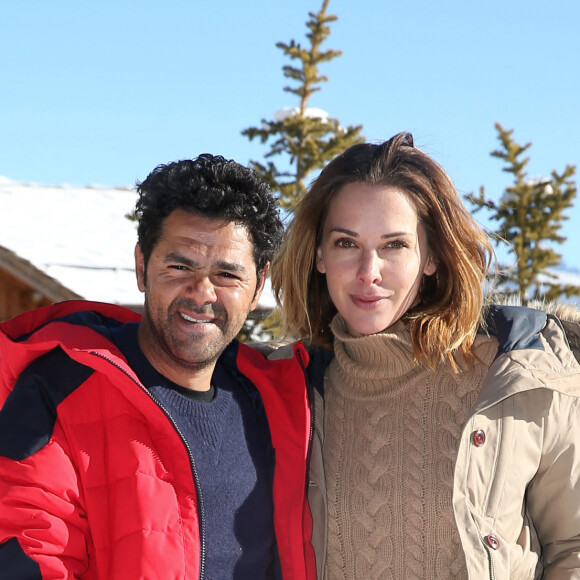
(214, 187)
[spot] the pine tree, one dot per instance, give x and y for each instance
(307, 136)
(529, 214)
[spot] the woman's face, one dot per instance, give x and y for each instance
(373, 253)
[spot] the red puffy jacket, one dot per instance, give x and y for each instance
(95, 482)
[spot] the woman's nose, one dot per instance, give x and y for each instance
(370, 268)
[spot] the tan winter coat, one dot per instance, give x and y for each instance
(517, 477)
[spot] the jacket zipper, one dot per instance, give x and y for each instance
(201, 510)
(310, 393)
(312, 413)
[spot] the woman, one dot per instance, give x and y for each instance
(448, 440)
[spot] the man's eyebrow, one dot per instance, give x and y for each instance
(234, 267)
(180, 259)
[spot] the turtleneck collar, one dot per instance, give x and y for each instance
(384, 356)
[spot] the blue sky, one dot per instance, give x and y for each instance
(102, 92)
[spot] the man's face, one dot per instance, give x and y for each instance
(200, 284)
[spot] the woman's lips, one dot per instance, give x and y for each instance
(364, 301)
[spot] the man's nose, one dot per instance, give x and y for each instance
(201, 289)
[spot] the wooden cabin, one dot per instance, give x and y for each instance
(25, 287)
(63, 242)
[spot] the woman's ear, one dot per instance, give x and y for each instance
(320, 262)
(430, 266)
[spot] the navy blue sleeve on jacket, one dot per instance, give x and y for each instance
(28, 416)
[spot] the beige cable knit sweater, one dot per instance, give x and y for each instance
(392, 430)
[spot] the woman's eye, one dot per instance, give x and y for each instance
(345, 243)
(397, 244)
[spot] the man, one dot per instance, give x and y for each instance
(159, 447)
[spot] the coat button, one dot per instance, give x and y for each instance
(478, 437)
(492, 542)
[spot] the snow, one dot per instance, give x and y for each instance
(77, 235)
(563, 276)
(311, 112)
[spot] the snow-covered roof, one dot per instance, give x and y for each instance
(77, 235)
(80, 236)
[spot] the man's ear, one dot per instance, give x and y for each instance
(260, 287)
(140, 268)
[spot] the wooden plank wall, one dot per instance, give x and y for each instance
(17, 297)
